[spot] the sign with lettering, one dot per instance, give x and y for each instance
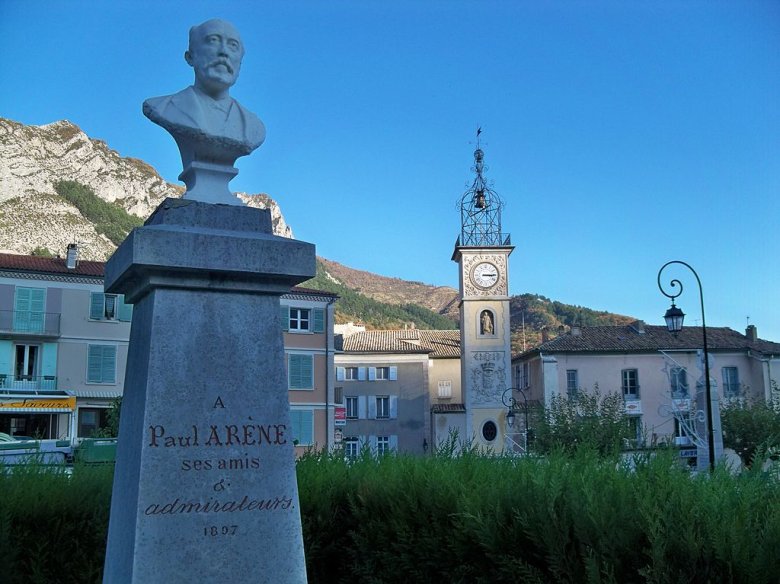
(340, 416)
(67, 404)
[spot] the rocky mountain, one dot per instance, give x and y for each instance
(33, 215)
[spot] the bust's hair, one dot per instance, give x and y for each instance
(194, 30)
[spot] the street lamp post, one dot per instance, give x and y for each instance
(674, 323)
(511, 402)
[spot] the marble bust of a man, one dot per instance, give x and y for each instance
(208, 125)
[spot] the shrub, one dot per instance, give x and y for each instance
(463, 518)
(587, 420)
(750, 425)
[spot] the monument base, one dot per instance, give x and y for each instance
(205, 487)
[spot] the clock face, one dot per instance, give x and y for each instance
(484, 275)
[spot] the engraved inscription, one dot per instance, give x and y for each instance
(228, 448)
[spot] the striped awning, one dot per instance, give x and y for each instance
(96, 393)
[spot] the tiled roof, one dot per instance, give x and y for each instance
(654, 338)
(28, 263)
(448, 408)
(438, 344)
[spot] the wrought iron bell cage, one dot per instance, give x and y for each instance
(480, 210)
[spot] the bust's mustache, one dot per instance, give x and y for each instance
(224, 62)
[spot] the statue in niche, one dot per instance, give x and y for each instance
(486, 326)
(211, 128)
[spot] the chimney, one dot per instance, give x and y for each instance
(545, 335)
(576, 330)
(72, 257)
(751, 333)
(638, 326)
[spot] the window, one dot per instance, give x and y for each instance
(730, 382)
(26, 362)
(109, 307)
(28, 310)
(635, 438)
(351, 373)
(352, 407)
(338, 395)
(299, 319)
(382, 445)
(296, 319)
(679, 382)
(382, 406)
(630, 383)
(101, 364)
(300, 371)
(91, 420)
(382, 373)
(683, 427)
(302, 422)
(572, 382)
(351, 447)
(521, 374)
(445, 389)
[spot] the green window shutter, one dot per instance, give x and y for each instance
(300, 371)
(49, 360)
(109, 364)
(6, 351)
(22, 300)
(96, 303)
(95, 364)
(285, 317)
(125, 310)
(319, 320)
(101, 364)
(29, 305)
(302, 422)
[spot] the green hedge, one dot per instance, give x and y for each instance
(467, 519)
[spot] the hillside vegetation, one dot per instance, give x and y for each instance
(109, 219)
(379, 302)
(356, 307)
(534, 316)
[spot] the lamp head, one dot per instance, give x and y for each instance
(674, 319)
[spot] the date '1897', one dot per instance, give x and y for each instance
(215, 530)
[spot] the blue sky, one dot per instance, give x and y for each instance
(621, 135)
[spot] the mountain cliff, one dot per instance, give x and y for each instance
(33, 159)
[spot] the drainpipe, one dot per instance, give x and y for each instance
(329, 387)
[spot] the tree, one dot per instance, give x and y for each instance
(42, 252)
(585, 420)
(750, 425)
(111, 429)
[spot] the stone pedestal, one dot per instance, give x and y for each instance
(205, 488)
(208, 183)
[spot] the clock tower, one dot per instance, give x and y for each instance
(482, 252)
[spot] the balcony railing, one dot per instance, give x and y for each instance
(27, 383)
(41, 324)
